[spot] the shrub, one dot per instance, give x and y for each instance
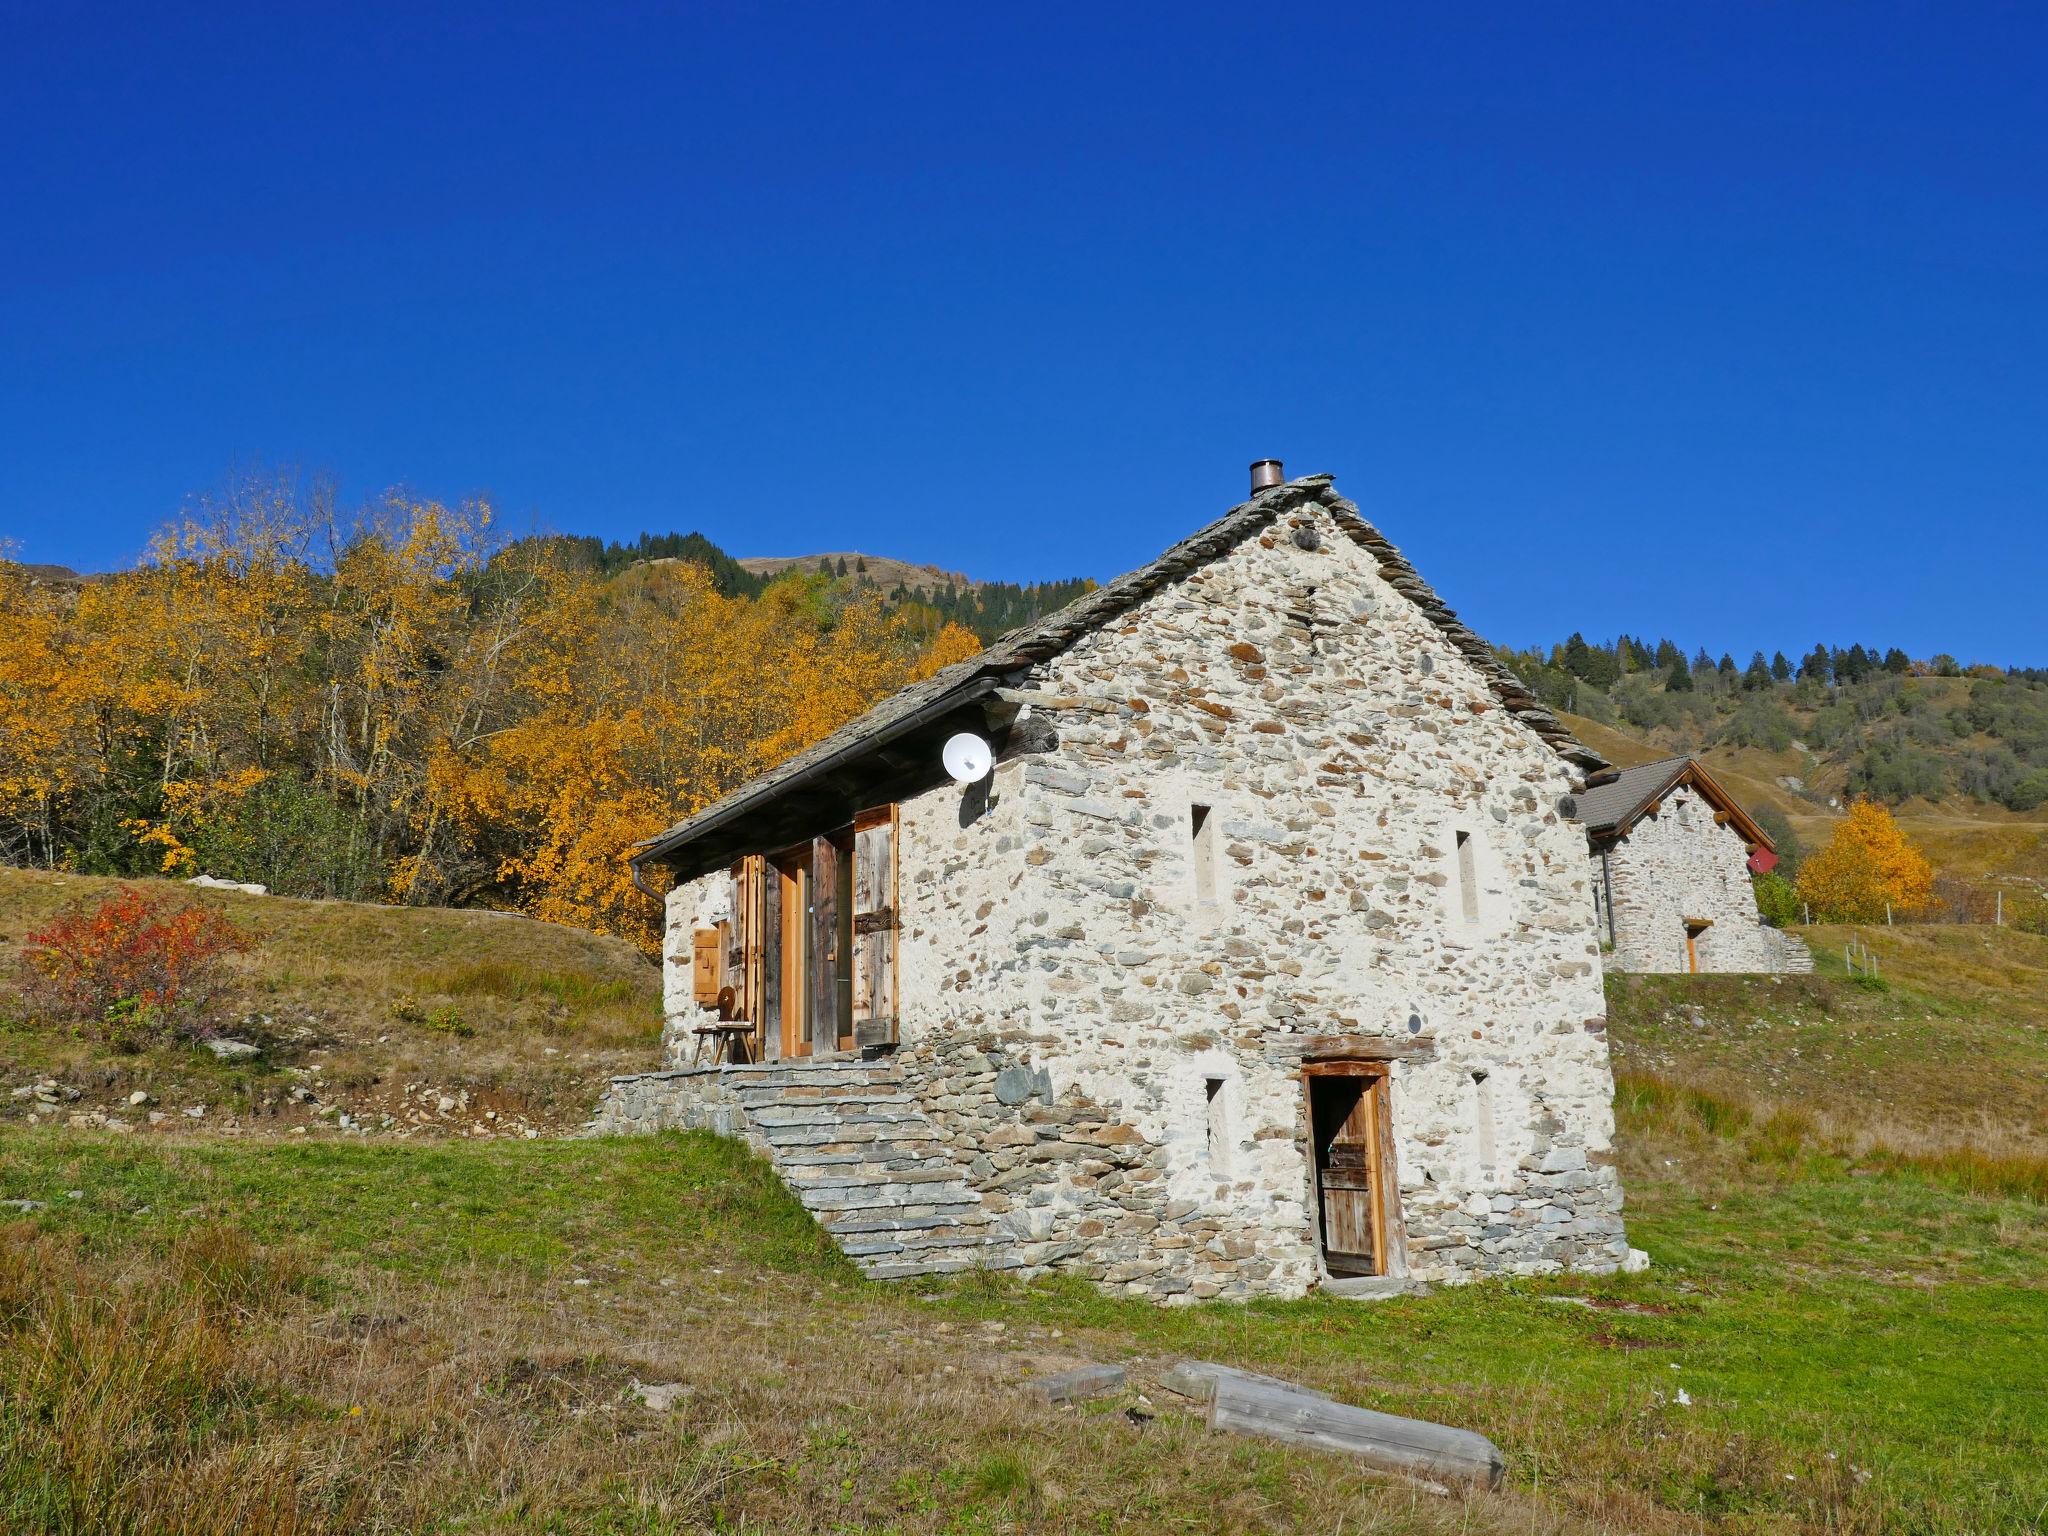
(133, 968)
(1776, 902)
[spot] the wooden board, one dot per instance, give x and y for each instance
(772, 1042)
(874, 929)
(1434, 1453)
(1318, 1048)
(824, 970)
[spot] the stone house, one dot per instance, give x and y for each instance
(1673, 853)
(1262, 959)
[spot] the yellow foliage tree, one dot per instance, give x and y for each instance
(399, 704)
(46, 714)
(1867, 864)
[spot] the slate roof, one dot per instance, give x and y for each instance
(1603, 807)
(1612, 803)
(1020, 648)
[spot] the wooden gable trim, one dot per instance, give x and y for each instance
(1726, 809)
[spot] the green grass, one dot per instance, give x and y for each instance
(1852, 1342)
(1842, 1188)
(1948, 1056)
(427, 1211)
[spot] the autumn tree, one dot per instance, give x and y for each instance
(396, 704)
(1868, 864)
(46, 717)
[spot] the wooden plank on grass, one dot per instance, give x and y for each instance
(1413, 1448)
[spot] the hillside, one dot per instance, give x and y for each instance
(452, 1320)
(395, 1022)
(984, 608)
(880, 570)
(1839, 724)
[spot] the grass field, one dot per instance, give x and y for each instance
(375, 1012)
(1838, 1182)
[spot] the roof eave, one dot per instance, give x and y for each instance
(734, 807)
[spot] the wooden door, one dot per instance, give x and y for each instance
(823, 959)
(1346, 1114)
(874, 928)
(791, 876)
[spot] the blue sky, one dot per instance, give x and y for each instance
(1728, 322)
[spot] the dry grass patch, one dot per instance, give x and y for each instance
(518, 1022)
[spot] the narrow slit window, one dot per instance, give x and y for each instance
(1218, 1129)
(1202, 831)
(1482, 1094)
(1468, 878)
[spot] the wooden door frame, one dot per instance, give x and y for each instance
(1390, 1238)
(793, 1001)
(1694, 927)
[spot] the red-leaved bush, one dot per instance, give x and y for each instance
(135, 967)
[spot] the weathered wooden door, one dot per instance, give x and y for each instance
(874, 928)
(1345, 1115)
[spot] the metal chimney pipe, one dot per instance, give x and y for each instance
(1266, 474)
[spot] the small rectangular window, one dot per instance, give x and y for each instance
(1218, 1137)
(1202, 831)
(1468, 878)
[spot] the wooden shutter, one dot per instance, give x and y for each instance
(874, 928)
(704, 944)
(824, 969)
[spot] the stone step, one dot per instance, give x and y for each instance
(834, 1178)
(752, 1079)
(912, 1198)
(793, 1139)
(894, 1171)
(940, 1262)
(807, 1115)
(854, 1223)
(856, 1154)
(869, 1244)
(852, 1098)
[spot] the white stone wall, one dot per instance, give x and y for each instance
(1052, 937)
(1678, 864)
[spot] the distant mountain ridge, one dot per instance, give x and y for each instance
(880, 570)
(988, 608)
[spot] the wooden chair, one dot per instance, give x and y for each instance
(729, 1036)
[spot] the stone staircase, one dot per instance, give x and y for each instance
(867, 1164)
(1794, 958)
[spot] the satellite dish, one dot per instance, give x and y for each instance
(967, 758)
